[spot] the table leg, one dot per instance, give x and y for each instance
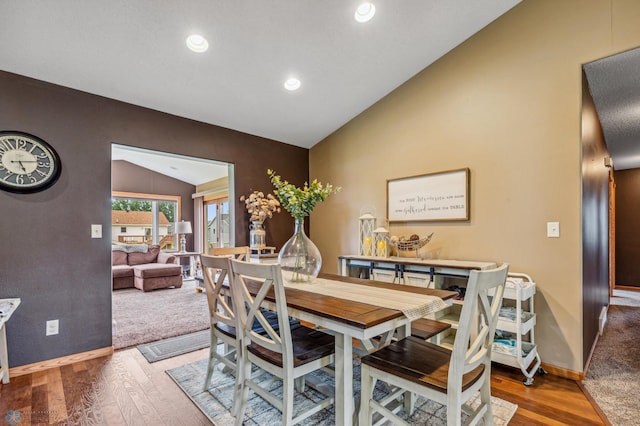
(343, 268)
(344, 380)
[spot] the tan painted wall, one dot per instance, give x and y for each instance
(506, 104)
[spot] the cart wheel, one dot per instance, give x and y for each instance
(528, 381)
(542, 371)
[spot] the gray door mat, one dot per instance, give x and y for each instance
(174, 346)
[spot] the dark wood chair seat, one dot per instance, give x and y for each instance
(227, 330)
(425, 328)
(420, 362)
(308, 345)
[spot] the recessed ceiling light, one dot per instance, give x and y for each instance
(197, 43)
(365, 12)
(292, 84)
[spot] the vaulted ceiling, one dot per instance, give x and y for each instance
(135, 51)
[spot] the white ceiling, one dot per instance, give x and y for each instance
(195, 171)
(614, 83)
(135, 51)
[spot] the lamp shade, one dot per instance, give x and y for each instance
(182, 227)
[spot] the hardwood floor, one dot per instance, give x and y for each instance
(551, 400)
(125, 389)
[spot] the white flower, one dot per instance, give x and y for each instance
(260, 207)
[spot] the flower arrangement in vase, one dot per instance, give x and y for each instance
(260, 207)
(299, 258)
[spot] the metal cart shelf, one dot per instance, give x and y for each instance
(524, 353)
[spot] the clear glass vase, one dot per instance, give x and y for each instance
(257, 235)
(299, 258)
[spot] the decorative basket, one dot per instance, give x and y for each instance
(411, 245)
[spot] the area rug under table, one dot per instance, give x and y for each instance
(215, 403)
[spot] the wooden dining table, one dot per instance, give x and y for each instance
(348, 320)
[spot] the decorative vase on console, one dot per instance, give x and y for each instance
(257, 235)
(260, 207)
(299, 258)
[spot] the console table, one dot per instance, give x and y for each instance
(430, 273)
(406, 270)
(193, 262)
(7, 308)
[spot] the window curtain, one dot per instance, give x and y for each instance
(198, 224)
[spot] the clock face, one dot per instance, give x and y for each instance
(27, 163)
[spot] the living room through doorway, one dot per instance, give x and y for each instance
(164, 189)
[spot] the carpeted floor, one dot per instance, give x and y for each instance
(216, 402)
(141, 317)
(613, 378)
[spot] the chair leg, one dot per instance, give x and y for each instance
(409, 402)
(241, 393)
(212, 360)
(287, 401)
(485, 397)
(454, 410)
(366, 393)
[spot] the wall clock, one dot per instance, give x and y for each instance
(27, 163)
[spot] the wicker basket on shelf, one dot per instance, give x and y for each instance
(411, 245)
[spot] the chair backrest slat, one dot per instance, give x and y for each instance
(239, 253)
(253, 283)
(478, 320)
(215, 271)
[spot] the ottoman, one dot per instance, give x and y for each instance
(122, 276)
(151, 276)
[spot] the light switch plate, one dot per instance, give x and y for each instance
(96, 231)
(52, 327)
(553, 229)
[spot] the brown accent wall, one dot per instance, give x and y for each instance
(595, 222)
(127, 177)
(49, 259)
(627, 227)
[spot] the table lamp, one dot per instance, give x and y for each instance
(182, 228)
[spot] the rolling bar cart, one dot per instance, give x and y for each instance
(517, 319)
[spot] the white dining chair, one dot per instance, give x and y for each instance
(221, 314)
(284, 353)
(239, 253)
(449, 377)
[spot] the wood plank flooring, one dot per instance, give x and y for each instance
(124, 389)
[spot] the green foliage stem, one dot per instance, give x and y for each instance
(300, 202)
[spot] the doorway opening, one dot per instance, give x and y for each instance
(152, 192)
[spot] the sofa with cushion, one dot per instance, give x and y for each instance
(144, 267)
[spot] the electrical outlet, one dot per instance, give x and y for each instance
(52, 327)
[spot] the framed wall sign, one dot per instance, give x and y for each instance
(442, 196)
